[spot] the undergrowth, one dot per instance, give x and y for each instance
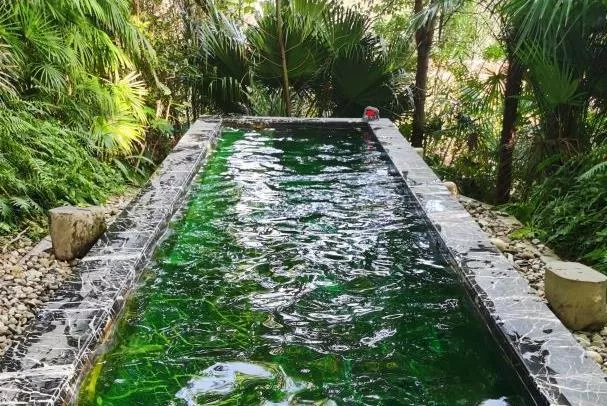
(568, 210)
(44, 164)
(74, 112)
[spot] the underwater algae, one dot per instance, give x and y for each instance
(301, 273)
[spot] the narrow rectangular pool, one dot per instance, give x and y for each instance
(301, 272)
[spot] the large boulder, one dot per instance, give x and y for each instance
(74, 230)
(577, 294)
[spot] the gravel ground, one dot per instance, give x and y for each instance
(29, 274)
(528, 257)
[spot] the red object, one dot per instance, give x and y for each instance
(371, 113)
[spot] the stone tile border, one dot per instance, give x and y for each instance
(46, 367)
(547, 357)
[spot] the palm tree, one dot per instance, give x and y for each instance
(512, 93)
(426, 14)
(72, 55)
(283, 59)
(562, 44)
(424, 35)
(327, 55)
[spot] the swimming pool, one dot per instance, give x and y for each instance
(302, 272)
(76, 327)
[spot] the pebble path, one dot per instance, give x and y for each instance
(29, 275)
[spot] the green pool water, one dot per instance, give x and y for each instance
(301, 273)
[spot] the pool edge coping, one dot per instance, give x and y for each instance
(47, 365)
(547, 357)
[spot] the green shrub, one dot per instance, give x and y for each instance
(72, 104)
(569, 209)
(44, 164)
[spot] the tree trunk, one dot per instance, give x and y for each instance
(423, 41)
(514, 84)
(283, 57)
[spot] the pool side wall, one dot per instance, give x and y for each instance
(45, 368)
(546, 355)
(59, 346)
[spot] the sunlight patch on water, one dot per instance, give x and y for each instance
(224, 378)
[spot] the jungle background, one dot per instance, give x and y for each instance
(507, 98)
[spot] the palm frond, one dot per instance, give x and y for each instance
(432, 11)
(600, 168)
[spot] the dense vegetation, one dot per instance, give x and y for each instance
(530, 127)
(507, 97)
(72, 102)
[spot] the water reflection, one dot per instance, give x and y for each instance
(224, 379)
(503, 401)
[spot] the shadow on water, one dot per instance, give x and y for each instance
(301, 274)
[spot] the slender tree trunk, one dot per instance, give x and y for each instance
(423, 41)
(283, 57)
(187, 18)
(514, 84)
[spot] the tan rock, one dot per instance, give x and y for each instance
(499, 244)
(452, 188)
(583, 340)
(595, 356)
(577, 294)
(74, 230)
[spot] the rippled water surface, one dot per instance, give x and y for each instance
(301, 273)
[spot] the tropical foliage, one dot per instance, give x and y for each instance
(335, 64)
(569, 209)
(544, 122)
(71, 101)
(508, 98)
(562, 47)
